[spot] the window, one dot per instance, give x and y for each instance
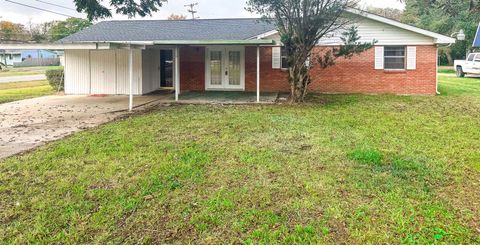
(394, 58)
(477, 59)
(470, 57)
(284, 60)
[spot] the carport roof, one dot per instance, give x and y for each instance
(165, 30)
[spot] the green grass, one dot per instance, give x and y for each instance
(454, 86)
(446, 70)
(27, 71)
(349, 169)
(23, 90)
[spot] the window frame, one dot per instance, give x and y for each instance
(404, 58)
(283, 55)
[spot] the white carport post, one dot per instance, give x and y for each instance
(177, 72)
(258, 74)
(130, 73)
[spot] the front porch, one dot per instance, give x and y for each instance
(224, 97)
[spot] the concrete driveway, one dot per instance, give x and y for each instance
(13, 79)
(27, 124)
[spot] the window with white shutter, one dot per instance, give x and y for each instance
(379, 58)
(411, 58)
(276, 57)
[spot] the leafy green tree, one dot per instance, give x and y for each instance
(446, 17)
(301, 24)
(61, 29)
(95, 10)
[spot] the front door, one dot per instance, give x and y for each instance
(225, 68)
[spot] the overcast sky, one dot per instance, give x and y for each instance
(206, 9)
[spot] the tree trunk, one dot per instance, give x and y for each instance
(299, 80)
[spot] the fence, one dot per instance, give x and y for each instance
(38, 62)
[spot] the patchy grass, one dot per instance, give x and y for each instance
(24, 90)
(446, 70)
(454, 86)
(342, 169)
(11, 72)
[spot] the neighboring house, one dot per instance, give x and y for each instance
(137, 56)
(476, 42)
(10, 56)
(35, 54)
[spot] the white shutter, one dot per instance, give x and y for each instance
(276, 58)
(411, 58)
(379, 52)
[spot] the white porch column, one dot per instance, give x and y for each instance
(258, 74)
(177, 72)
(130, 72)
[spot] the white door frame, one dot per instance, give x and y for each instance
(224, 86)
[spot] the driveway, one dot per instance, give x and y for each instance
(27, 124)
(13, 79)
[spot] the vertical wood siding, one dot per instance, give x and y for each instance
(77, 71)
(103, 75)
(102, 72)
(151, 70)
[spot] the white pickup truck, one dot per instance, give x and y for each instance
(469, 66)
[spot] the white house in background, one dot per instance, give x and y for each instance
(10, 56)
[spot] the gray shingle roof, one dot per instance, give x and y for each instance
(160, 30)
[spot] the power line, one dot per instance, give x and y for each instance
(192, 10)
(33, 7)
(53, 4)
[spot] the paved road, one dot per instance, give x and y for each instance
(22, 78)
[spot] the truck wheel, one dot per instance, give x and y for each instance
(460, 72)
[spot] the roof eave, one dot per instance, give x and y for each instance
(215, 42)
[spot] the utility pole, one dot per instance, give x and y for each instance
(192, 10)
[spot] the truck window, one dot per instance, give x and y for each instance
(470, 57)
(477, 59)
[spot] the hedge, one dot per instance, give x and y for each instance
(56, 79)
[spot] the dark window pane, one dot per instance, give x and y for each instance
(394, 51)
(394, 63)
(470, 58)
(284, 62)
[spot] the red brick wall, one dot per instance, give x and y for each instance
(271, 80)
(356, 75)
(192, 68)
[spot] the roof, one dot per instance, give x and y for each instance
(165, 30)
(476, 42)
(205, 31)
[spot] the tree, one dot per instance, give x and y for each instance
(61, 29)
(446, 17)
(177, 17)
(10, 31)
(301, 24)
(95, 10)
(391, 13)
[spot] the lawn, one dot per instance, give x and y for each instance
(349, 169)
(23, 90)
(455, 86)
(11, 72)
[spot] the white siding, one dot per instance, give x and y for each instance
(385, 34)
(77, 71)
(102, 72)
(103, 75)
(368, 30)
(151, 70)
(123, 83)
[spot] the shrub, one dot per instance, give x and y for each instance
(56, 79)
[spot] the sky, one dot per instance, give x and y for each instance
(206, 9)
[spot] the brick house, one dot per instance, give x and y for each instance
(137, 57)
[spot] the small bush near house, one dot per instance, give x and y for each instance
(56, 79)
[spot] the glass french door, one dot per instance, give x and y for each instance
(225, 68)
